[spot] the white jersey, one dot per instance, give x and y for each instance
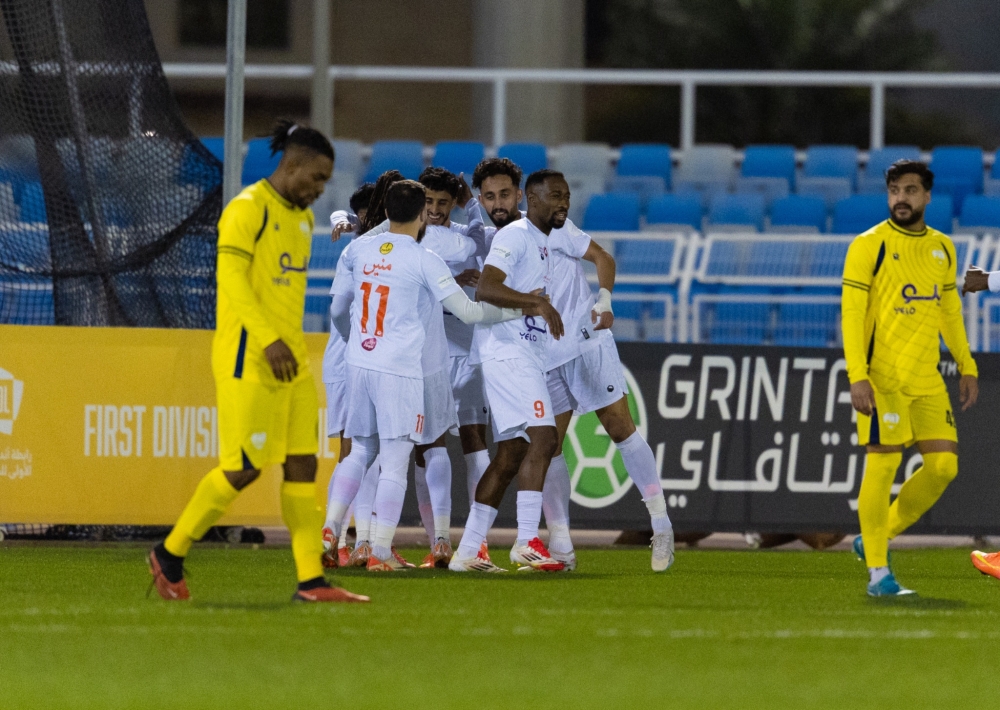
(521, 251)
(460, 334)
(335, 355)
(453, 247)
(395, 284)
(571, 295)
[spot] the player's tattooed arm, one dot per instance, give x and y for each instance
(492, 290)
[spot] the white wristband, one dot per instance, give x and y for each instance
(994, 281)
(603, 304)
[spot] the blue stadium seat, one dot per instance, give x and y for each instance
(709, 169)
(738, 323)
(32, 202)
(639, 159)
(830, 172)
(980, 211)
(647, 187)
(325, 253)
(811, 325)
(872, 178)
(644, 257)
(769, 161)
(740, 209)
(258, 163)
(405, 156)
(216, 146)
(859, 213)
(676, 209)
(939, 214)
(796, 211)
(459, 157)
(527, 156)
(613, 212)
(825, 259)
(958, 171)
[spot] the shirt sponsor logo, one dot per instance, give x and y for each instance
(910, 293)
(374, 269)
(531, 325)
(386, 248)
(445, 281)
(502, 253)
(369, 344)
(286, 263)
(11, 392)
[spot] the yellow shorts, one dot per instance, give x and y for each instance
(900, 419)
(261, 425)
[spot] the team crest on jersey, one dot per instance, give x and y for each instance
(369, 344)
(543, 253)
(386, 248)
(939, 256)
(304, 227)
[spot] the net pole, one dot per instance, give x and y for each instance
(322, 100)
(236, 40)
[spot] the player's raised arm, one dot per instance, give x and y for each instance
(859, 268)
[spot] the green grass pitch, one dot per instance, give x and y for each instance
(719, 630)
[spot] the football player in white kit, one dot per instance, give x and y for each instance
(385, 296)
(585, 375)
(514, 357)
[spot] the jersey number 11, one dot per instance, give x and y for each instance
(383, 292)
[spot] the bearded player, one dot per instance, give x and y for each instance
(266, 396)
(899, 298)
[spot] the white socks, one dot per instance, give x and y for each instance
(342, 540)
(346, 480)
(424, 500)
(364, 501)
(529, 513)
(395, 458)
(439, 487)
(641, 467)
(475, 466)
(481, 517)
(876, 574)
(555, 504)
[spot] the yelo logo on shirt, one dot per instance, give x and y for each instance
(386, 248)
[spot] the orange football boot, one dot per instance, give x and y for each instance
(987, 562)
(328, 594)
(171, 591)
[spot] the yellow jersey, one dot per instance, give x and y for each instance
(264, 246)
(898, 295)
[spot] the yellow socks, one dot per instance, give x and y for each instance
(210, 500)
(921, 491)
(873, 506)
(304, 520)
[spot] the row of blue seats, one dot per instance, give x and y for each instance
(623, 211)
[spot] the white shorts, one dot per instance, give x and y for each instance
(439, 408)
(588, 382)
(336, 407)
(518, 397)
(381, 404)
(470, 393)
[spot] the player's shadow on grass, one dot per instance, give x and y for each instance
(915, 601)
(243, 606)
(441, 574)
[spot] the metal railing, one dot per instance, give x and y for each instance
(688, 82)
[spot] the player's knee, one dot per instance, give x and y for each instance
(943, 465)
(300, 469)
(619, 427)
(544, 442)
(241, 479)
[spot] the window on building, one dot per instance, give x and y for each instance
(202, 23)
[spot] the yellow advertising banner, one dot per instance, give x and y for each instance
(118, 425)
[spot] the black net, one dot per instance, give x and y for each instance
(108, 203)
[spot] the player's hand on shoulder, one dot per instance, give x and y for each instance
(464, 192)
(282, 361)
(968, 391)
(863, 397)
(975, 280)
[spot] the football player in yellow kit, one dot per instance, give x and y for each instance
(266, 395)
(898, 297)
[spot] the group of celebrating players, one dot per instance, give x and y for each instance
(439, 327)
(411, 357)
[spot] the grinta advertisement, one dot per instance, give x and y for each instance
(764, 439)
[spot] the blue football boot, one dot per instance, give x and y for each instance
(859, 550)
(888, 587)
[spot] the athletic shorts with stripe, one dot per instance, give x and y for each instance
(378, 403)
(261, 424)
(902, 420)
